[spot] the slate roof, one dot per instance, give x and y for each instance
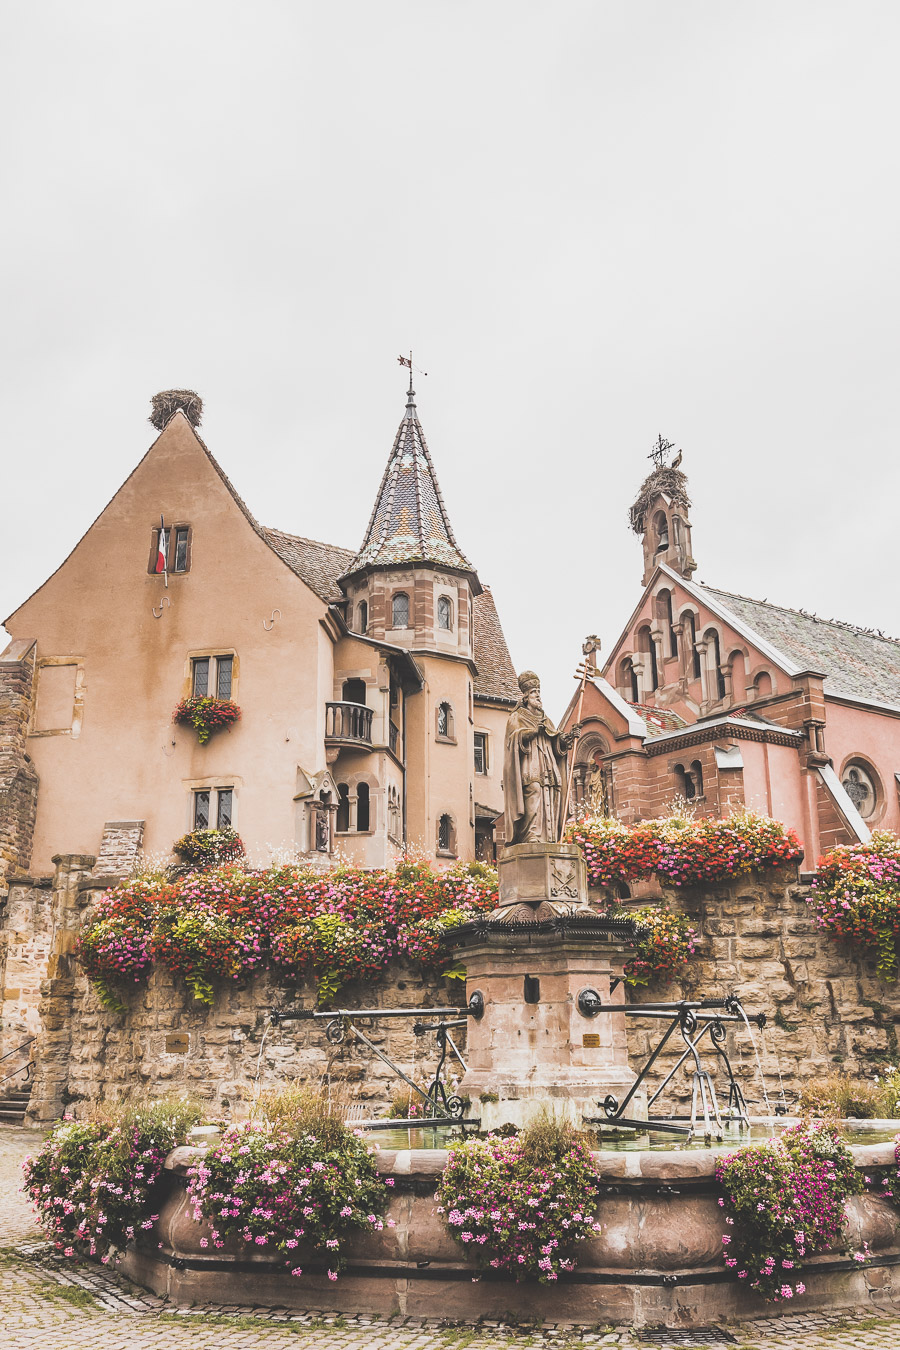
(496, 677)
(409, 521)
(857, 662)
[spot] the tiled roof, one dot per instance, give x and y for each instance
(858, 662)
(659, 719)
(496, 677)
(319, 565)
(409, 521)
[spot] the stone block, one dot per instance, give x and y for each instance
(755, 949)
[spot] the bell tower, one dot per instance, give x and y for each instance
(660, 515)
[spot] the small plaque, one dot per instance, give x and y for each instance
(177, 1043)
(591, 1040)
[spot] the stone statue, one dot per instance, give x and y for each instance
(534, 770)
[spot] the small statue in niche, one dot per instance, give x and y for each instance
(323, 833)
(534, 769)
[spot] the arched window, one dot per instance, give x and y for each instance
(661, 528)
(689, 782)
(400, 610)
(363, 616)
(696, 774)
(647, 645)
(342, 823)
(738, 668)
(362, 806)
(763, 684)
(353, 691)
(668, 619)
(445, 727)
(628, 682)
(712, 638)
(445, 612)
(688, 619)
(445, 834)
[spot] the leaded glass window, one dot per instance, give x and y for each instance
(201, 677)
(224, 666)
(223, 808)
(400, 611)
(201, 810)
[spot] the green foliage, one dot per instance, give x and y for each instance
(202, 849)
(856, 895)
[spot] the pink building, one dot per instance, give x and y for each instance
(374, 685)
(728, 701)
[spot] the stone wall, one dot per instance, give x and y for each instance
(25, 932)
(18, 777)
(827, 1009)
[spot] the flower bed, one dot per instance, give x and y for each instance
(785, 1200)
(856, 895)
(521, 1205)
(206, 715)
(682, 851)
(209, 848)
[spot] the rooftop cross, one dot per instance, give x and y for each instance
(660, 449)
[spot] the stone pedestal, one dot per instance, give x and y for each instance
(534, 1048)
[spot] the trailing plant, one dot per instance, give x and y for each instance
(206, 715)
(665, 944)
(202, 849)
(232, 923)
(521, 1204)
(297, 1185)
(856, 896)
(680, 850)
(785, 1200)
(92, 1181)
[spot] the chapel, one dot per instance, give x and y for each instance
(720, 701)
(372, 684)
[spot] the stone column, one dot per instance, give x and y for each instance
(49, 1095)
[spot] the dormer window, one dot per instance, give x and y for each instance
(400, 610)
(445, 612)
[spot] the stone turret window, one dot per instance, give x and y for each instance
(446, 836)
(363, 616)
(445, 612)
(445, 727)
(400, 610)
(362, 807)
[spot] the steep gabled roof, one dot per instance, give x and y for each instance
(496, 678)
(409, 522)
(857, 662)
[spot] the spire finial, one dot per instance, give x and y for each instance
(411, 393)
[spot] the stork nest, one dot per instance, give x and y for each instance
(166, 405)
(671, 482)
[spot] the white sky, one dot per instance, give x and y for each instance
(592, 221)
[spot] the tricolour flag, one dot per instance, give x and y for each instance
(161, 550)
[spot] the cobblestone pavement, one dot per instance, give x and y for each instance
(51, 1304)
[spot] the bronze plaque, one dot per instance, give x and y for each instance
(177, 1043)
(591, 1040)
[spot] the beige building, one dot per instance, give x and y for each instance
(374, 686)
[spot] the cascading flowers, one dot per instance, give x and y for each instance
(856, 896)
(683, 851)
(785, 1200)
(206, 715)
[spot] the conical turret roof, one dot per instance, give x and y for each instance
(409, 522)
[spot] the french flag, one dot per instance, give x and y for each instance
(161, 550)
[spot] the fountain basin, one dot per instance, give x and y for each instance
(657, 1261)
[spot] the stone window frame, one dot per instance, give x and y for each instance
(444, 605)
(212, 654)
(450, 850)
(688, 775)
(171, 549)
(485, 737)
(363, 616)
(447, 737)
(213, 785)
(74, 729)
(753, 676)
(863, 762)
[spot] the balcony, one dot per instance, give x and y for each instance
(348, 724)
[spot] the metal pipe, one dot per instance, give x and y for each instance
(313, 1014)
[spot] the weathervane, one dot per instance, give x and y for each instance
(408, 362)
(660, 450)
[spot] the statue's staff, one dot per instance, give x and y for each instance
(586, 671)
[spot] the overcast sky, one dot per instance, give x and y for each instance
(593, 222)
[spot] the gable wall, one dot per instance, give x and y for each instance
(119, 756)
